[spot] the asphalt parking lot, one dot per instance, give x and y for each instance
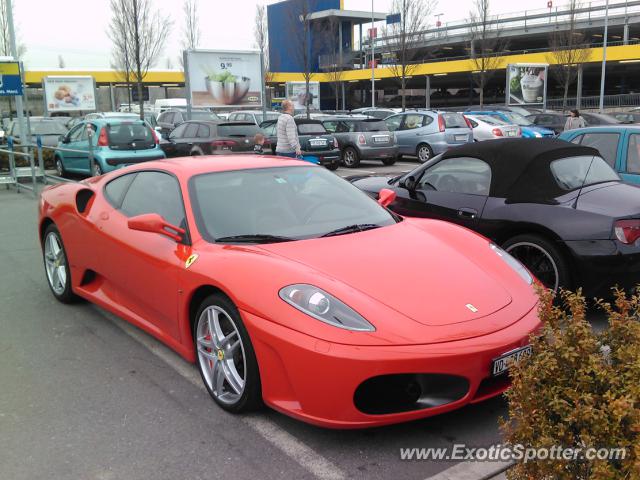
(85, 396)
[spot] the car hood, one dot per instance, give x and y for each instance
(429, 278)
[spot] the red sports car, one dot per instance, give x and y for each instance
(287, 285)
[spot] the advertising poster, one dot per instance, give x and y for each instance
(69, 94)
(296, 92)
(224, 79)
(10, 80)
(526, 83)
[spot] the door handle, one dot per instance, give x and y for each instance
(467, 213)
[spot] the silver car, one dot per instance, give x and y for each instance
(362, 138)
(486, 127)
(253, 116)
(425, 133)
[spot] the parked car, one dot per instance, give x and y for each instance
(170, 119)
(149, 116)
(550, 120)
(528, 129)
(425, 133)
(254, 116)
(380, 113)
(593, 119)
(486, 127)
(164, 104)
(617, 144)
(48, 129)
(363, 138)
(115, 143)
(314, 139)
(266, 273)
(626, 117)
(207, 137)
(555, 206)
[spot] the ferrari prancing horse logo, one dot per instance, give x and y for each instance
(192, 258)
(471, 307)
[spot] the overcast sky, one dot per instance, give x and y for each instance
(76, 29)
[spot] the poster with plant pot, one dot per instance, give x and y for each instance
(526, 83)
(64, 93)
(224, 79)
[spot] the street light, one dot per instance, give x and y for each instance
(604, 56)
(373, 61)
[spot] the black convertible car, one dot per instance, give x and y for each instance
(557, 207)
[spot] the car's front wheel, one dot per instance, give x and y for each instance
(543, 259)
(350, 157)
(424, 152)
(226, 359)
(60, 171)
(388, 161)
(56, 265)
(96, 169)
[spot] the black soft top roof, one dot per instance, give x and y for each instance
(520, 167)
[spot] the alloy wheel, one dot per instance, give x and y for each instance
(59, 169)
(55, 263)
(424, 154)
(221, 354)
(97, 171)
(538, 261)
(349, 157)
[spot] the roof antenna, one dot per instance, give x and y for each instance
(584, 180)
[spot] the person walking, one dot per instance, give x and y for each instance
(288, 144)
(574, 121)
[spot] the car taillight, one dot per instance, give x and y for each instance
(627, 231)
(361, 140)
(223, 143)
(335, 143)
(155, 136)
(441, 124)
(103, 141)
(497, 132)
(468, 122)
(519, 132)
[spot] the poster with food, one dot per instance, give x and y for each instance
(69, 94)
(526, 84)
(297, 93)
(224, 79)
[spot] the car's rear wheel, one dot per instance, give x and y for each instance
(56, 265)
(424, 152)
(333, 166)
(96, 169)
(542, 258)
(60, 171)
(388, 161)
(350, 157)
(226, 359)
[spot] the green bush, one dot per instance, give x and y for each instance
(580, 389)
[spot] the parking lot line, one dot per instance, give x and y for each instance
(291, 446)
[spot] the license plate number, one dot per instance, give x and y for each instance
(501, 364)
(461, 138)
(381, 139)
(318, 143)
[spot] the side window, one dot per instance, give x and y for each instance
(606, 143)
(633, 153)
(154, 192)
(178, 132)
(191, 130)
(473, 123)
(343, 127)
(115, 189)
(203, 131)
(167, 117)
(577, 139)
(85, 132)
(394, 122)
(458, 175)
(428, 120)
(76, 133)
(330, 126)
(412, 121)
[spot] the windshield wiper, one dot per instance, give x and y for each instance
(255, 238)
(358, 227)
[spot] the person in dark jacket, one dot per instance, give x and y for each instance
(258, 140)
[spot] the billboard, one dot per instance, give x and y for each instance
(527, 83)
(69, 94)
(224, 78)
(10, 79)
(296, 92)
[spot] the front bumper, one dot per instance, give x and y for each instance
(315, 381)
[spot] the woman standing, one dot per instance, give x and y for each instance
(574, 121)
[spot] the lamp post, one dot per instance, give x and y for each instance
(373, 60)
(604, 57)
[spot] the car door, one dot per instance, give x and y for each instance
(453, 189)
(630, 167)
(413, 132)
(189, 137)
(73, 159)
(172, 145)
(142, 267)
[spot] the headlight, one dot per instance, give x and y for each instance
(513, 263)
(323, 306)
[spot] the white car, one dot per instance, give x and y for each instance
(486, 127)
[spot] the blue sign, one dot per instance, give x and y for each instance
(10, 80)
(393, 18)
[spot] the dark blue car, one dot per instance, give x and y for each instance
(619, 145)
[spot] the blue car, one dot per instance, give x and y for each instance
(529, 129)
(618, 145)
(115, 143)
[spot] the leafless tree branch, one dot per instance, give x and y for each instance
(190, 28)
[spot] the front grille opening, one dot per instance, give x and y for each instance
(406, 392)
(492, 386)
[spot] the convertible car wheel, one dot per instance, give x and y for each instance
(542, 259)
(226, 359)
(57, 266)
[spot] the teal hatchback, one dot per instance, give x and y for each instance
(115, 143)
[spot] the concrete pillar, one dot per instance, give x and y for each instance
(579, 88)
(112, 97)
(427, 92)
(625, 34)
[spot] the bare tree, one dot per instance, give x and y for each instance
(261, 34)
(568, 51)
(402, 39)
(5, 40)
(484, 42)
(118, 30)
(141, 32)
(334, 63)
(301, 45)
(190, 28)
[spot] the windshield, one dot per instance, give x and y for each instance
(491, 120)
(204, 116)
(515, 118)
(311, 129)
(293, 202)
(50, 127)
(575, 172)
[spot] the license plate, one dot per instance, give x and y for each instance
(461, 138)
(511, 133)
(381, 139)
(501, 364)
(318, 143)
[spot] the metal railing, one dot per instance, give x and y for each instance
(593, 102)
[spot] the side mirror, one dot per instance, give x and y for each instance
(62, 139)
(386, 197)
(409, 183)
(154, 223)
